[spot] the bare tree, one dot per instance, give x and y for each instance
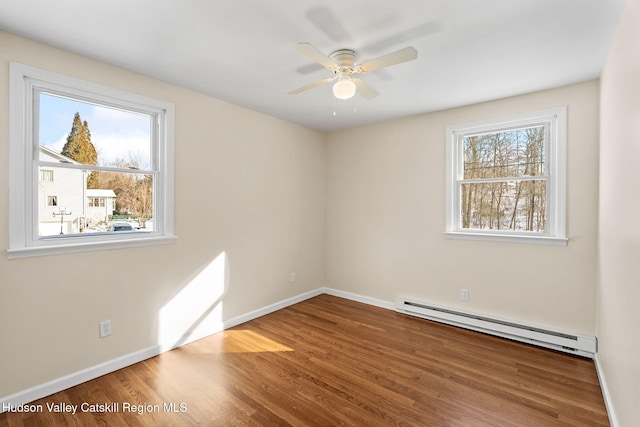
(508, 188)
(134, 191)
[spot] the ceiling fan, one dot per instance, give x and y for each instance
(342, 63)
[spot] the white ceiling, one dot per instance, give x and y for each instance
(243, 51)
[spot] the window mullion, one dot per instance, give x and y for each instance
(504, 179)
(64, 165)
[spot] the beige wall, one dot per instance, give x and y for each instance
(247, 185)
(618, 316)
(386, 219)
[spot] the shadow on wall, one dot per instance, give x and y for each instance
(195, 311)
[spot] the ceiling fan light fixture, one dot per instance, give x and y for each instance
(344, 89)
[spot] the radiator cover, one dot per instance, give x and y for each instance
(569, 343)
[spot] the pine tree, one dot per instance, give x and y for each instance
(80, 148)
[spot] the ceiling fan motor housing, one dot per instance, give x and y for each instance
(344, 57)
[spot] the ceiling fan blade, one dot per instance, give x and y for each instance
(313, 53)
(397, 57)
(311, 86)
(364, 89)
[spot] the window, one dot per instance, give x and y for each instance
(97, 202)
(506, 178)
(46, 175)
(99, 143)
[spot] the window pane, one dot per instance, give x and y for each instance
(76, 131)
(123, 198)
(508, 205)
(512, 153)
(46, 175)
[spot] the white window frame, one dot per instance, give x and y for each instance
(555, 146)
(25, 83)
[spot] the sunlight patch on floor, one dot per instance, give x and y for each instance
(244, 341)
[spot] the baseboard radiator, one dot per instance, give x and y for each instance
(569, 343)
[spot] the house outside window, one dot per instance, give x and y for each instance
(506, 178)
(131, 138)
(67, 188)
(100, 207)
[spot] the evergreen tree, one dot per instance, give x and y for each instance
(80, 148)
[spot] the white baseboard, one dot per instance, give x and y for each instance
(608, 403)
(71, 380)
(389, 305)
(271, 308)
(204, 332)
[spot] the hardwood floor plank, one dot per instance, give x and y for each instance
(329, 361)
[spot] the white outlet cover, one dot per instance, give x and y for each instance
(105, 328)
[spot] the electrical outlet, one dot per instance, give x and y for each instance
(105, 328)
(292, 277)
(464, 294)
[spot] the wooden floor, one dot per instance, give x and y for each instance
(330, 361)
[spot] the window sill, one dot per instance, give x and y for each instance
(60, 249)
(508, 238)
